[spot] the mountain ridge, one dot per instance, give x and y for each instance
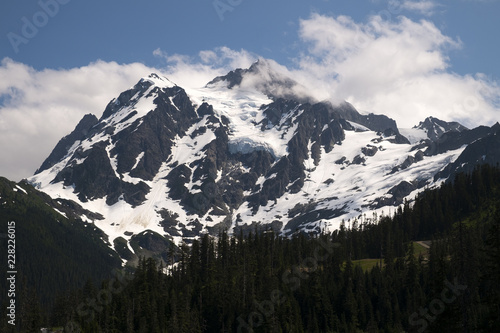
(182, 161)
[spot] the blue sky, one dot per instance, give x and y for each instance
(129, 31)
(60, 59)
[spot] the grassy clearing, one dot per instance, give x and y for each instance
(420, 250)
(368, 264)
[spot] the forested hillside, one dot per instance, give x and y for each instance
(54, 254)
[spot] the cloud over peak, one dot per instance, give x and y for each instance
(396, 67)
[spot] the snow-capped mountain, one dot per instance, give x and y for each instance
(435, 128)
(245, 150)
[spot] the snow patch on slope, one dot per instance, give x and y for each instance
(414, 135)
(243, 109)
(338, 185)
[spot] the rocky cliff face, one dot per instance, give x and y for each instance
(238, 153)
(64, 145)
(435, 128)
(483, 150)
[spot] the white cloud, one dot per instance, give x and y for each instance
(425, 7)
(398, 68)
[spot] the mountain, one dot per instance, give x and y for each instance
(250, 149)
(263, 75)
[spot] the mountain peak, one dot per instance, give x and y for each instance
(265, 76)
(435, 127)
(146, 87)
(158, 80)
(235, 77)
(263, 65)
